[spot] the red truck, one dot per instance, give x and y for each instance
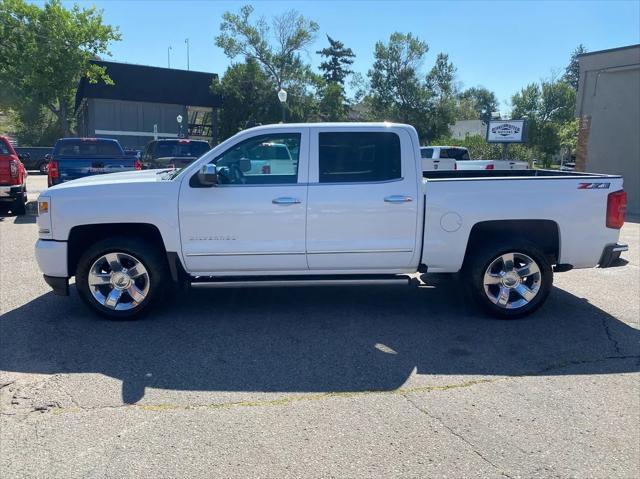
(13, 179)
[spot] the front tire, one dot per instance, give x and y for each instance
(509, 281)
(121, 278)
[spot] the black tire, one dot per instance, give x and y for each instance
(149, 255)
(486, 255)
(19, 206)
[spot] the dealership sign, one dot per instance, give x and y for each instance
(506, 131)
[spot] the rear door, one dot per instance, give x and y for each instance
(363, 203)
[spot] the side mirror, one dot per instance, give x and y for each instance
(208, 175)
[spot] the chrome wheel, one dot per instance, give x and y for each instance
(512, 280)
(118, 281)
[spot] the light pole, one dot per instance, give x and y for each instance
(169, 57)
(282, 96)
(179, 120)
(186, 40)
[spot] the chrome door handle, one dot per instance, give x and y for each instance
(286, 200)
(398, 199)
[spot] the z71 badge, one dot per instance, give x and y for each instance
(594, 186)
(213, 238)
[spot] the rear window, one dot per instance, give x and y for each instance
(426, 152)
(4, 150)
(458, 154)
(175, 148)
(88, 148)
(347, 157)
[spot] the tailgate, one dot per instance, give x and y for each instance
(71, 168)
(5, 174)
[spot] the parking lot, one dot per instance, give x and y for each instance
(319, 382)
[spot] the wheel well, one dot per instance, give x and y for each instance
(543, 233)
(81, 237)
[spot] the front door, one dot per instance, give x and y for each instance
(363, 200)
(254, 219)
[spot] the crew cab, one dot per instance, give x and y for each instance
(74, 158)
(464, 161)
(13, 179)
(433, 164)
(353, 208)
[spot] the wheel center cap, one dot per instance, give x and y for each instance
(511, 280)
(121, 280)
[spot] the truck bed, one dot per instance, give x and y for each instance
(522, 174)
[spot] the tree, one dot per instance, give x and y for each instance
(477, 103)
(572, 71)
(333, 105)
(50, 50)
(248, 98)
(335, 67)
(441, 91)
(290, 34)
(546, 107)
(396, 91)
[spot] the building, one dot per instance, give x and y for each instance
(464, 128)
(145, 102)
(608, 108)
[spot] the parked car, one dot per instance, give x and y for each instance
(464, 161)
(356, 209)
(173, 152)
(13, 179)
(570, 166)
(75, 158)
(433, 164)
(35, 157)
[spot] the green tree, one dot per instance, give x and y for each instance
(546, 106)
(50, 49)
(275, 47)
(477, 103)
(333, 105)
(572, 71)
(441, 92)
(336, 63)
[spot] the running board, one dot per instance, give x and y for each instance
(300, 281)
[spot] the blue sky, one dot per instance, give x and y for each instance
(499, 45)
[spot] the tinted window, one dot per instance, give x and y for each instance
(264, 159)
(3, 148)
(426, 152)
(181, 148)
(347, 157)
(458, 154)
(88, 148)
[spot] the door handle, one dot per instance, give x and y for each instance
(286, 200)
(398, 199)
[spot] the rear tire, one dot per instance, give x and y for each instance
(122, 278)
(19, 206)
(509, 280)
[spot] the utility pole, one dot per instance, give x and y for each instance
(186, 40)
(169, 57)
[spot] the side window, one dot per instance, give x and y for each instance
(426, 153)
(264, 159)
(352, 157)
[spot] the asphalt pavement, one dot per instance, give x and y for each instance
(319, 382)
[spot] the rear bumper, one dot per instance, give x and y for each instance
(611, 253)
(11, 193)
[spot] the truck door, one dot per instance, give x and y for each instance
(254, 219)
(363, 203)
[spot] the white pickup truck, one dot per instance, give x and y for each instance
(355, 208)
(464, 162)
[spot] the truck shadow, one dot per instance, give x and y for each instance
(312, 339)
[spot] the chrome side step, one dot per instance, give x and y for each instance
(274, 282)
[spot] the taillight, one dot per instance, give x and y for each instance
(13, 168)
(54, 172)
(266, 170)
(616, 207)
(490, 166)
(137, 165)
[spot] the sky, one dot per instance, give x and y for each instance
(501, 45)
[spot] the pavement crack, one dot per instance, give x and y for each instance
(473, 447)
(610, 337)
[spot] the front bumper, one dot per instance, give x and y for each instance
(60, 286)
(10, 193)
(52, 257)
(611, 253)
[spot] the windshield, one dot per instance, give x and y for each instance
(194, 149)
